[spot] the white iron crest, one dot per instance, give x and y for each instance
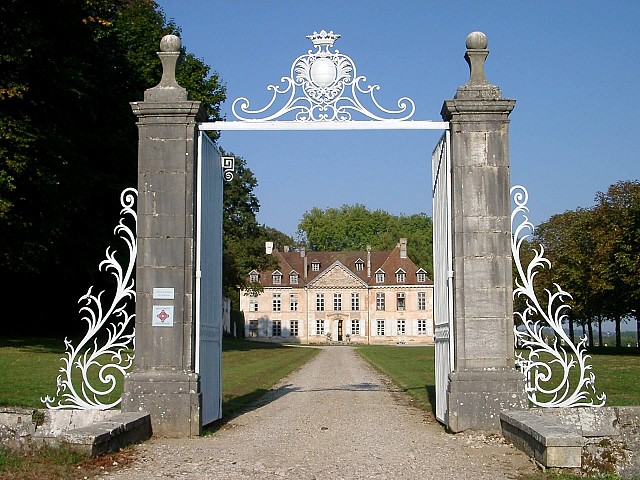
(323, 86)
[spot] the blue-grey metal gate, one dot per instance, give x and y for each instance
(442, 272)
(208, 289)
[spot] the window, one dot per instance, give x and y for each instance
(293, 302)
(400, 301)
(337, 302)
(293, 328)
(253, 303)
(254, 277)
(293, 279)
(276, 328)
(276, 302)
(315, 266)
(277, 278)
(253, 328)
(319, 327)
(422, 327)
(355, 301)
(401, 276)
(422, 301)
(402, 330)
(379, 277)
(381, 327)
(421, 276)
(379, 301)
(359, 265)
(355, 327)
(319, 302)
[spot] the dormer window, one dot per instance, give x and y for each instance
(401, 276)
(359, 265)
(277, 278)
(315, 266)
(421, 276)
(379, 276)
(254, 277)
(293, 278)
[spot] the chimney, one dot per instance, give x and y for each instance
(403, 248)
(303, 254)
(368, 261)
(268, 246)
(286, 248)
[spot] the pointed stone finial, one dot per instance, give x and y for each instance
(168, 88)
(476, 54)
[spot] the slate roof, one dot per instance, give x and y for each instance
(388, 261)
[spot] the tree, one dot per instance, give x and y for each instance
(616, 258)
(569, 246)
(68, 140)
(353, 227)
(244, 239)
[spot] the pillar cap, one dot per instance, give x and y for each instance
(168, 89)
(476, 54)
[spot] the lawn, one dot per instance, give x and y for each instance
(412, 369)
(29, 368)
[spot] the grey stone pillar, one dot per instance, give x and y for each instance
(483, 380)
(164, 382)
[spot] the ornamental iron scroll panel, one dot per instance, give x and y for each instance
(92, 369)
(442, 272)
(557, 371)
(323, 86)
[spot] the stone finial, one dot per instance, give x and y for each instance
(476, 54)
(168, 88)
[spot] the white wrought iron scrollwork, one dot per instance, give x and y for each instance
(323, 86)
(228, 164)
(557, 369)
(92, 369)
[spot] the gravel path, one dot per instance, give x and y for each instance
(335, 418)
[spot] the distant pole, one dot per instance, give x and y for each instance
(483, 380)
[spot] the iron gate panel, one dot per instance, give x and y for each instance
(442, 272)
(208, 291)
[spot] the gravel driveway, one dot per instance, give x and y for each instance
(335, 418)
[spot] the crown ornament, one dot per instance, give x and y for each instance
(323, 39)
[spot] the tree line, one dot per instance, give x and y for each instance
(595, 256)
(68, 147)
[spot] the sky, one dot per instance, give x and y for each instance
(572, 66)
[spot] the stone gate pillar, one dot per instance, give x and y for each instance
(483, 380)
(164, 382)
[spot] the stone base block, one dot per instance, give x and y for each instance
(173, 400)
(476, 397)
(550, 443)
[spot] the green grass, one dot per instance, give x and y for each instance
(29, 369)
(413, 370)
(250, 369)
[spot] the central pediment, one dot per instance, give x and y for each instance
(337, 276)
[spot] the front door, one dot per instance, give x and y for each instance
(339, 330)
